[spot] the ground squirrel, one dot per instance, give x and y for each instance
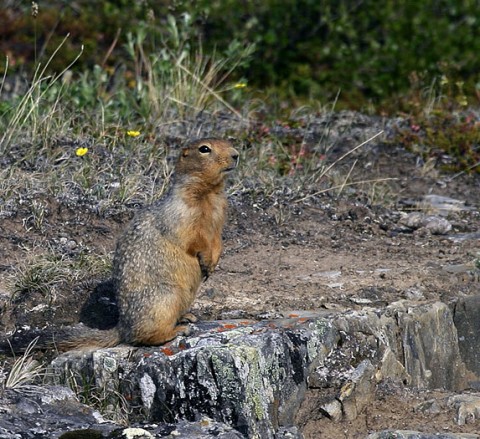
(167, 250)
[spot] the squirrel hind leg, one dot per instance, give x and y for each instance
(188, 318)
(162, 334)
(162, 325)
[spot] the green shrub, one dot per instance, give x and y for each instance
(366, 49)
(369, 51)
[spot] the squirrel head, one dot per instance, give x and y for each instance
(207, 160)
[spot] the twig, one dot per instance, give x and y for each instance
(463, 172)
(4, 75)
(347, 177)
(349, 152)
(112, 46)
(378, 180)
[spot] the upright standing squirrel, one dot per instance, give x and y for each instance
(167, 250)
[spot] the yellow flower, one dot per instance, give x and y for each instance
(81, 151)
(133, 133)
(240, 85)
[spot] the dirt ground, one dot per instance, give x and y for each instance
(281, 254)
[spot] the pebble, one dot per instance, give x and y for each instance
(443, 205)
(434, 224)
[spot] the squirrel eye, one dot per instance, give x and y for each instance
(204, 149)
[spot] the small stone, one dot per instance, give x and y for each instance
(333, 410)
(431, 407)
(136, 433)
(414, 294)
(360, 300)
(467, 407)
(437, 226)
(434, 224)
(234, 314)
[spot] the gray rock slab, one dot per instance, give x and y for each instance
(45, 412)
(252, 376)
(466, 315)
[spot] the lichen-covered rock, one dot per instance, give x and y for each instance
(253, 376)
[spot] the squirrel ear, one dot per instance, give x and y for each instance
(185, 152)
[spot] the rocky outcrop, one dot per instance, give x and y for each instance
(54, 412)
(253, 376)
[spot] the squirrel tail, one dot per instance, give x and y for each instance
(87, 338)
(62, 339)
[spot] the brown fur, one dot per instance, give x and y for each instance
(167, 250)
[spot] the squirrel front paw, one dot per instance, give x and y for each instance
(206, 268)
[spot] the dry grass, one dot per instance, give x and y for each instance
(47, 273)
(25, 370)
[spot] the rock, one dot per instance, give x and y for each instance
(406, 434)
(432, 407)
(134, 433)
(467, 408)
(254, 376)
(46, 412)
(203, 429)
(466, 316)
(434, 224)
(462, 237)
(52, 412)
(442, 205)
(359, 391)
(392, 368)
(333, 410)
(430, 346)
(414, 294)
(289, 433)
